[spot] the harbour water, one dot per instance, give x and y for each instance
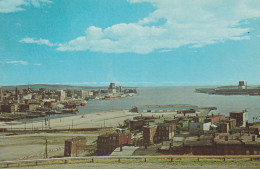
(178, 95)
(175, 95)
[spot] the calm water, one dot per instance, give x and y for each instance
(176, 95)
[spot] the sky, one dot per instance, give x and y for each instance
(130, 42)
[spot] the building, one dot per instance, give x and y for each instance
(215, 118)
(136, 124)
(74, 146)
(165, 132)
(164, 108)
(107, 143)
(28, 107)
(184, 123)
(223, 127)
(27, 97)
(61, 95)
(198, 128)
(241, 117)
(232, 123)
(149, 134)
(8, 108)
(112, 86)
(50, 104)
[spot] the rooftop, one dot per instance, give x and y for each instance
(171, 105)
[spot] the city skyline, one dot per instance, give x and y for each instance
(130, 42)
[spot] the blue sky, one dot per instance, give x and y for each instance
(130, 42)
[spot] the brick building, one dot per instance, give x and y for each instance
(215, 118)
(210, 145)
(8, 108)
(223, 127)
(149, 134)
(241, 117)
(107, 143)
(74, 146)
(136, 124)
(165, 132)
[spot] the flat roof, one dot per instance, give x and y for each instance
(170, 105)
(237, 112)
(76, 139)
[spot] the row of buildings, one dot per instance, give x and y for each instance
(188, 134)
(38, 102)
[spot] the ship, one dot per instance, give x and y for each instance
(84, 103)
(241, 89)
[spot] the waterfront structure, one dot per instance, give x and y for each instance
(164, 108)
(74, 146)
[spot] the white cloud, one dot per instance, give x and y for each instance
(37, 64)
(15, 62)
(8, 6)
(192, 23)
(39, 42)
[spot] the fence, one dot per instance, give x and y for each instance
(93, 159)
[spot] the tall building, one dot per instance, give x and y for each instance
(61, 94)
(112, 86)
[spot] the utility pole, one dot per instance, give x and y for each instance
(46, 148)
(104, 123)
(49, 122)
(72, 124)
